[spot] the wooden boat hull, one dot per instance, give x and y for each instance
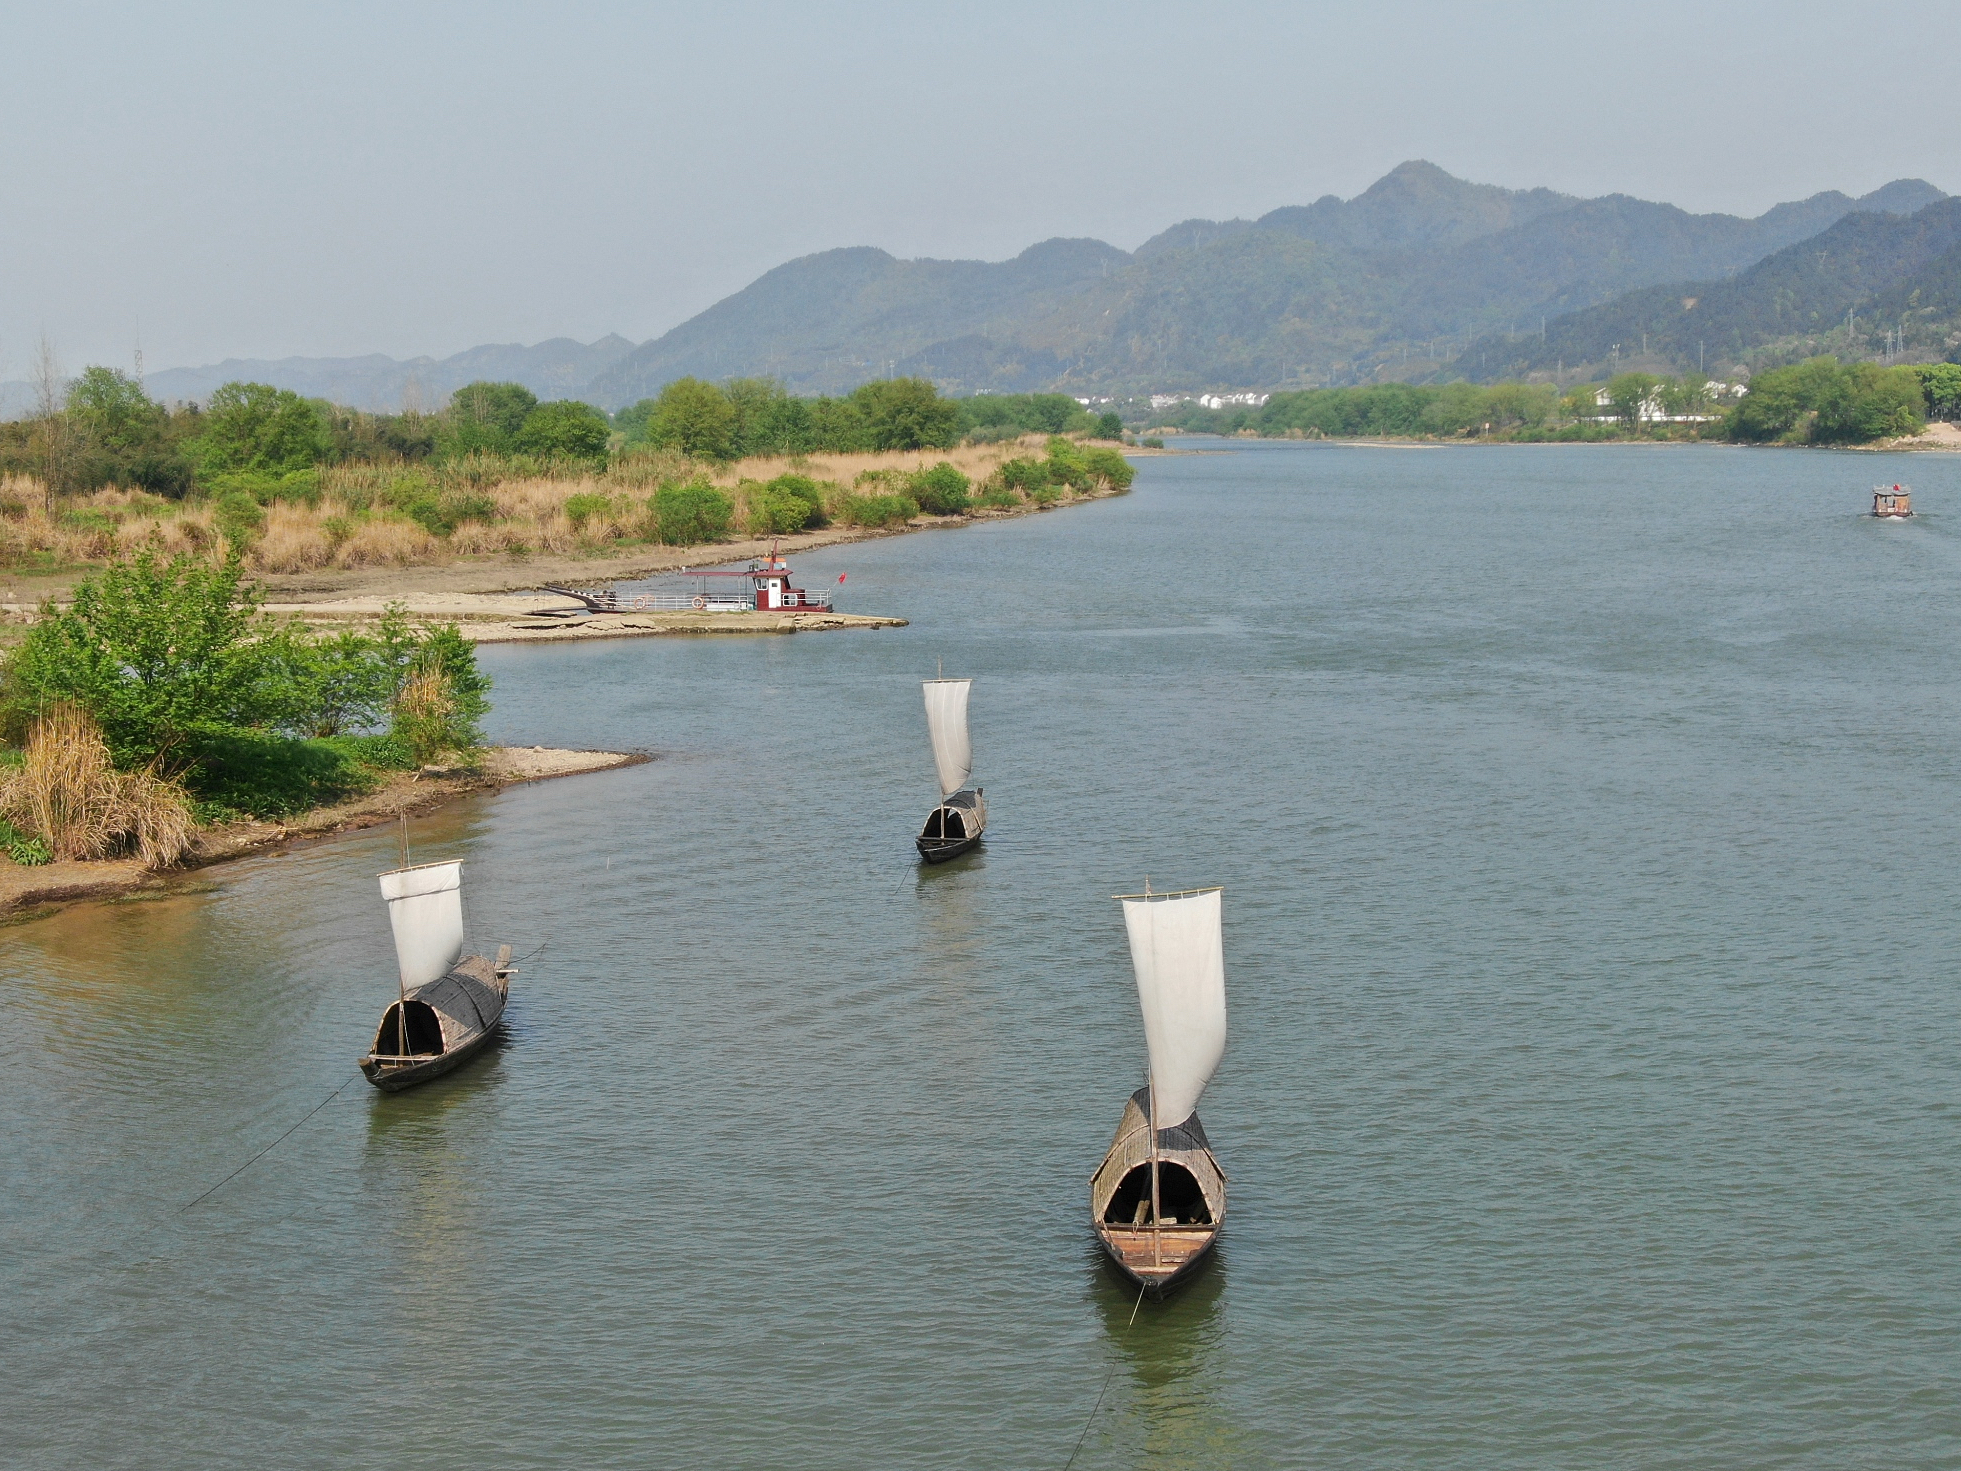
(1159, 1266)
(952, 828)
(934, 851)
(1192, 1195)
(392, 1077)
(448, 1022)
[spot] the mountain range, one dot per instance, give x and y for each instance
(1420, 274)
(1842, 290)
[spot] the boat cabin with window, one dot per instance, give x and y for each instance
(1892, 503)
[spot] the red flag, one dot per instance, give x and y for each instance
(840, 577)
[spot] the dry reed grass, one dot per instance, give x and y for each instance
(68, 794)
(350, 524)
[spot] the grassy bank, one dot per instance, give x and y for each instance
(405, 515)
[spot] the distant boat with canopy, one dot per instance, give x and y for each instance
(1158, 1200)
(1892, 502)
(449, 1003)
(956, 824)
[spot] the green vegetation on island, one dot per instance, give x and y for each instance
(1822, 401)
(163, 698)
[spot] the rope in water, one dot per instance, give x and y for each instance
(1106, 1385)
(270, 1147)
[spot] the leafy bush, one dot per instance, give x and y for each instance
(776, 512)
(1153, 442)
(239, 518)
(440, 512)
(581, 508)
(690, 514)
(155, 652)
(1110, 467)
(942, 490)
(257, 773)
(998, 497)
(1022, 475)
(1066, 465)
(184, 675)
(266, 487)
(1109, 426)
(1046, 494)
(878, 510)
(24, 848)
(810, 492)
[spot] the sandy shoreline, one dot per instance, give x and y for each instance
(27, 893)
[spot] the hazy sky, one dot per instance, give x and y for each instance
(255, 180)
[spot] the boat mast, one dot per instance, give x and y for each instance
(1157, 1222)
(402, 986)
(1157, 1225)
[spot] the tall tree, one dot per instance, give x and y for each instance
(254, 426)
(695, 418)
(908, 413)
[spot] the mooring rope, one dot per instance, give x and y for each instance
(270, 1147)
(1106, 1383)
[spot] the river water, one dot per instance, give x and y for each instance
(1588, 823)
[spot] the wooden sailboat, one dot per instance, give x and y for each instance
(450, 1003)
(1158, 1200)
(956, 824)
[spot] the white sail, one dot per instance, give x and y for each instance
(425, 907)
(1178, 951)
(946, 720)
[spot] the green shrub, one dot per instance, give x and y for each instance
(1109, 426)
(255, 773)
(24, 848)
(776, 512)
(878, 510)
(998, 497)
(810, 492)
(1153, 442)
(1110, 467)
(1066, 465)
(1023, 475)
(440, 512)
(266, 487)
(1045, 495)
(942, 490)
(690, 514)
(239, 517)
(581, 508)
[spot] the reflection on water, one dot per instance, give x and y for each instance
(420, 1156)
(1172, 1410)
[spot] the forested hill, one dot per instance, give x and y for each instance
(1403, 275)
(1889, 272)
(1394, 283)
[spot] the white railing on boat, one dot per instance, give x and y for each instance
(681, 602)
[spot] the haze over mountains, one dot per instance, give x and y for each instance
(1401, 280)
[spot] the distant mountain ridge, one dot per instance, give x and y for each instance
(1404, 275)
(1401, 280)
(558, 368)
(1885, 268)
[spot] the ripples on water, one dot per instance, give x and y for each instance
(1587, 819)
